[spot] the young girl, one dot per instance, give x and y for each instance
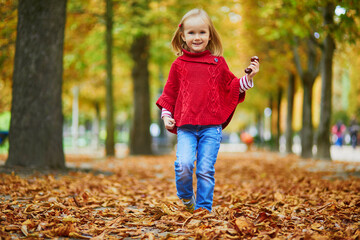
(198, 101)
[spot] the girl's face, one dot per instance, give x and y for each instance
(196, 34)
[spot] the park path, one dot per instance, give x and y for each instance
(344, 159)
(343, 154)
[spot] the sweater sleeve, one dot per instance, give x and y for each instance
(169, 95)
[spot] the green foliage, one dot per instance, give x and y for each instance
(340, 116)
(5, 121)
(347, 26)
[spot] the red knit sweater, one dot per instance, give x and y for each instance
(201, 90)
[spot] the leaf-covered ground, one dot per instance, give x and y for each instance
(258, 195)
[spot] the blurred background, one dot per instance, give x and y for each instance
(117, 55)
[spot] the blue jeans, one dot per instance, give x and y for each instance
(200, 144)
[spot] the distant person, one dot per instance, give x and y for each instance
(354, 129)
(198, 101)
(339, 129)
(247, 139)
(3, 136)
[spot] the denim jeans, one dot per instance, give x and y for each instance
(200, 144)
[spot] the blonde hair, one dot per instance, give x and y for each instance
(214, 45)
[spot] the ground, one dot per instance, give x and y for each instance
(258, 195)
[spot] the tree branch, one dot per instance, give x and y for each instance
(317, 69)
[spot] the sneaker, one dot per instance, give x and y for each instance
(201, 211)
(189, 204)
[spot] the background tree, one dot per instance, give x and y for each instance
(140, 139)
(344, 29)
(328, 49)
(307, 75)
(37, 121)
(289, 113)
(85, 66)
(275, 52)
(298, 34)
(110, 128)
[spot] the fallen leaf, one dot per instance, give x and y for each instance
(243, 224)
(24, 230)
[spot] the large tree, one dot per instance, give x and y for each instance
(345, 28)
(307, 75)
(36, 112)
(328, 49)
(140, 139)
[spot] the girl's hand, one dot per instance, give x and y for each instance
(169, 122)
(254, 66)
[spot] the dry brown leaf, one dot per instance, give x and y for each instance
(100, 237)
(242, 224)
(279, 197)
(317, 227)
(79, 235)
(24, 230)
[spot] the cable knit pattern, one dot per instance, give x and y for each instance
(214, 101)
(184, 86)
(201, 90)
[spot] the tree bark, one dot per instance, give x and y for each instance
(323, 141)
(140, 139)
(278, 130)
(36, 127)
(289, 117)
(96, 127)
(110, 128)
(271, 122)
(308, 77)
(307, 127)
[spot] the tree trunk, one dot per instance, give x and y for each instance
(140, 139)
(289, 117)
(278, 130)
(36, 127)
(110, 128)
(307, 128)
(95, 140)
(308, 78)
(323, 141)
